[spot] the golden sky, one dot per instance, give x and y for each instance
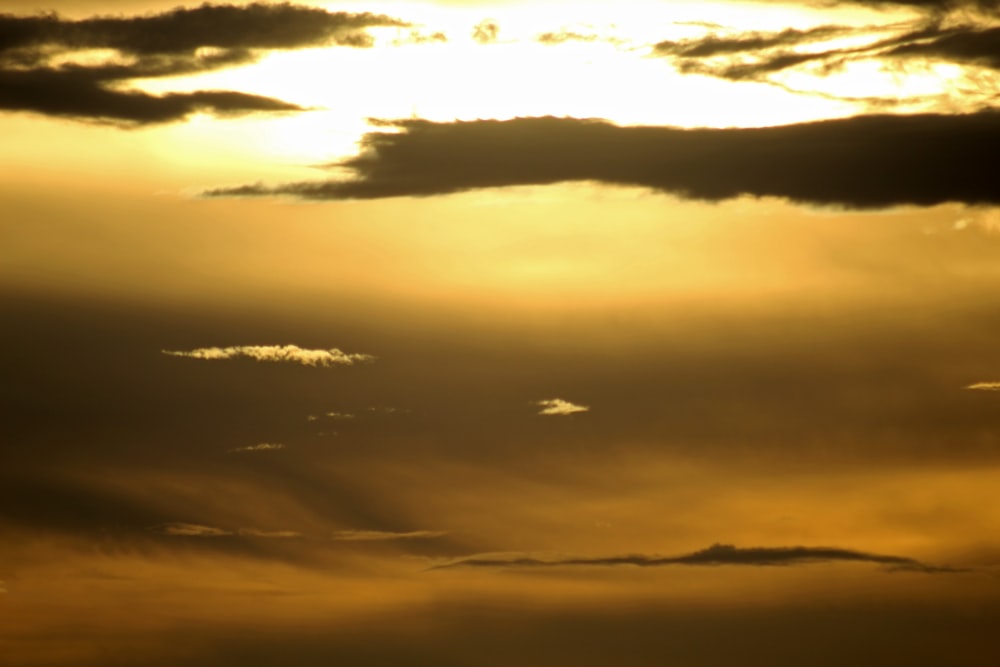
(646, 333)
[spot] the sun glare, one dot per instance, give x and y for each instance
(480, 62)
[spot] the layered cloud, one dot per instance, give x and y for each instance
(863, 162)
(984, 386)
(38, 72)
(558, 406)
(717, 554)
(275, 353)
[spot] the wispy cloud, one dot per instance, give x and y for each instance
(558, 406)
(984, 386)
(286, 353)
(385, 535)
(717, 554)
(262, 447)
(191, 530)
(179, 529)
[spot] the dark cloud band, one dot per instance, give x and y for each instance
(863, 162)
(717, 554)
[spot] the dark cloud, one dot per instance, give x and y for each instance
(717, 554)
(254, 26)
(158, 45)
(80, 95)
(979, 46)
(756, 56)
(714, 45)
(862, 162)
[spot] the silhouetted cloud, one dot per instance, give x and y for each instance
(985, 386)
(714, 45)
(384, 535)
(75, 94)
(861, 162)
(717, 554)
(181, 41)
(288, 353)
(969, 44)
(558, 406)
(262, 447)
(253, 26)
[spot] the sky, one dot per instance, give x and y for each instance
(498, 333)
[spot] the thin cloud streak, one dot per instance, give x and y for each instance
(262, 447)
(861, 162)
(715, 555)
(275, 353)
(984, 386)
(382, 535)
(558, 406)
(181, 529)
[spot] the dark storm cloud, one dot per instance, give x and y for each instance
(158, 45)
(863, 162)
(717, 554)
(78, 94)
(255, 26)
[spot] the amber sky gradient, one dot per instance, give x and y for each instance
(477, 334)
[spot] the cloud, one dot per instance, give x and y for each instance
(252, 26)
(81, 95)
(486, 31)
(984, 386)
(275, 534)
(191, 530)
(862, 162)
(717, 554)
(180, 41)
(288, 353)
(3, 588)
(557, 406)
(179, 529)
(714, 45)
(382, 535)
(262, 447)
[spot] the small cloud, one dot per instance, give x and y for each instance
(3, 588)
(557, 406)
(288, 353)
(262, 447)
(984, 386)
(191, 530)
(384, 535)
(486, 31)
(340, 415)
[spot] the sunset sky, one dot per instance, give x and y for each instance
(477, 334)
